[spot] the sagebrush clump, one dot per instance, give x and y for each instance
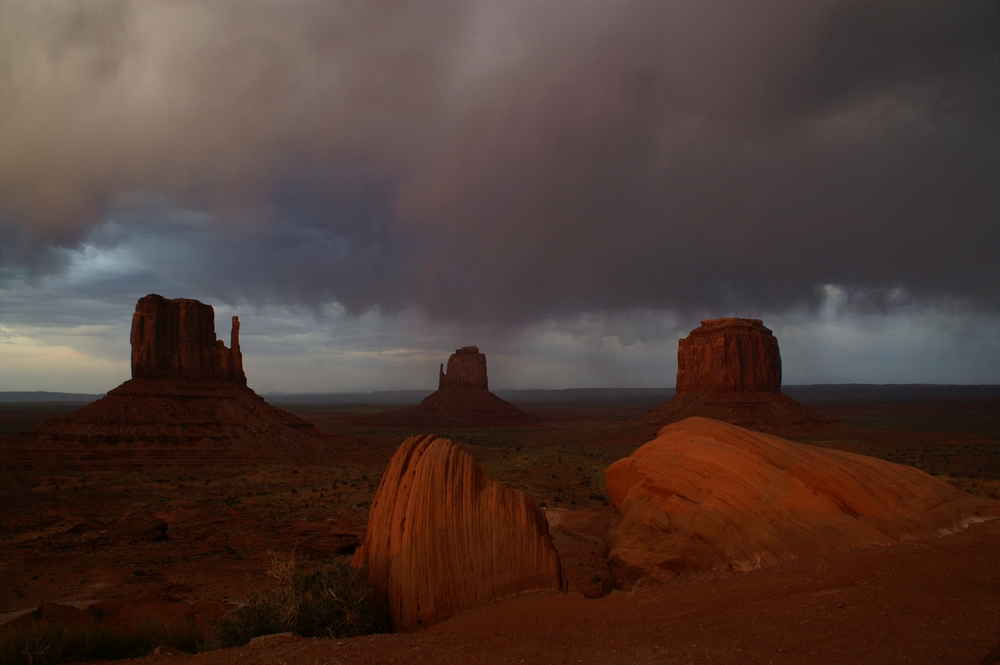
(315, 599)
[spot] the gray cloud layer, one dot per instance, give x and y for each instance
(507, 162)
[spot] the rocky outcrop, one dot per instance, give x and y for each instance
(443, 537)
(730, 370)
(706, 498)
(466, 367)
(187, 405)
(176, 339)
(731, 355)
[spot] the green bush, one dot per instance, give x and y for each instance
(323, 599)
(46, 643)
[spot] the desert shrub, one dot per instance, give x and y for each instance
(320, 599)
(46, 643)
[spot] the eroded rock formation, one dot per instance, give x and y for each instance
(729, 354)
(443, 537)
(186, 405)
(466, 367)
(463, 396)
(176, 339)
(705, 498)
(730, 370)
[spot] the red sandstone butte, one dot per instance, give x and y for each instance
(187, 405)
(466, 367)
(730, 370)
(176, 339)
(706, 498)
(729, 354)
(443, 537)
(463, 397)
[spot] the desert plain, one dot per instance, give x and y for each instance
(173, 541)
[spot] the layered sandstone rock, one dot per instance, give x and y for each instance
(706, 498)
(466, 367)
(187, 405)
(176, 339)
(731, 355)
(443, 537)
(730, 370)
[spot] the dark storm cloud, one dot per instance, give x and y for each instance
(508, 162)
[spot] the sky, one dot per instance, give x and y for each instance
(570, 185)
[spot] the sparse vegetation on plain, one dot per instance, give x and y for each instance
(318, 599)
(47, 643)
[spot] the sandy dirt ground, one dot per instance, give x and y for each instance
(935, 602)
(159, 538)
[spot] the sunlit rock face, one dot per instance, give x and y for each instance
(466, 367)
(707, 499)
(731, 355)
(443, 537)
(176, 339)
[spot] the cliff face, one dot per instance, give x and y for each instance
(729, 355)
(443, 537)
(176, 339)
(466, 367)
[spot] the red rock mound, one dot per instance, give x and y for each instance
(186, 405)
(730, 370)
(443, 537)
(706, 498)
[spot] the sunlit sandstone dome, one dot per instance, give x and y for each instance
(706, 498)
(730, 370)
(187, 404)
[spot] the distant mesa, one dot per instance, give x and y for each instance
(443, 537)
(187, 404)
(706, 499)
(463, 396)
(730, 370)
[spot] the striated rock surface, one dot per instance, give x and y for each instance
(443, 537)
(706, 498)
(731, 355)
(730, 370)
(176, 339)
(187, 405)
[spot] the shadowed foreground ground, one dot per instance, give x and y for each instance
(931, 602)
